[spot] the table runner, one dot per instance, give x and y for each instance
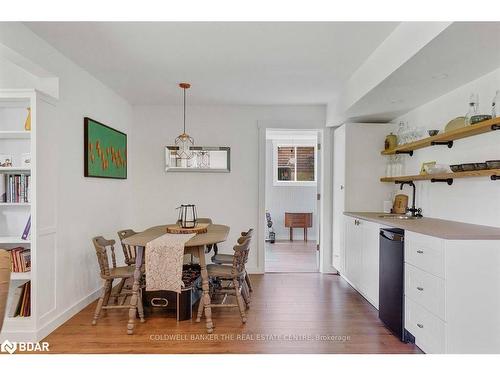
(164, 257)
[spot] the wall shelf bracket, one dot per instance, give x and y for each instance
(449, 181)
(495, 177)
(405, 152)
(402, 182)
(495, 127)
(443, 143)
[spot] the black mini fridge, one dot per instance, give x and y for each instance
(391, 280)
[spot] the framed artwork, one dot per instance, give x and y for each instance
(105, 151)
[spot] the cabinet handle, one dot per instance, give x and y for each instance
(420, 325)
(420, 288)
(420, 251)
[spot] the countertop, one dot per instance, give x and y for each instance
(446, 229)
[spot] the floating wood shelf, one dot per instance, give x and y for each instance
(443, 176)
(445, 138)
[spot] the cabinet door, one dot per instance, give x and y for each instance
(370, 262)
(353, 245)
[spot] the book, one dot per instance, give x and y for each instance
(17, 188)
(27, 230)
(16, 301)
(20, 259)
(3, 189)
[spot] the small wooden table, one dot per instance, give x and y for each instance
(196, 246)
(298, 220)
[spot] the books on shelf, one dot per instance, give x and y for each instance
(21, 301)
(27, 230)
(15, 188)
(20, 259)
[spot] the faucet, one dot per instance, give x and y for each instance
(414, 212)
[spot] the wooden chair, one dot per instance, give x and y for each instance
(128, 251)
(109, 275)
(234, 275)
(228, 259)
(4, 282)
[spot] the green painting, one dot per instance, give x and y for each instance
(105, 152)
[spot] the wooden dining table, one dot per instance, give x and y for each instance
(216, 233)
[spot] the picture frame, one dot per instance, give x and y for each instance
(26, 160)
(206, 159)
(5, 160)
(105, 151)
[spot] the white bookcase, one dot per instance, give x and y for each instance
(14, 140)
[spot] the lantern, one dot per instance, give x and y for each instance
(187, 215)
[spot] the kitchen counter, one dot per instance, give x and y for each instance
(446, 229)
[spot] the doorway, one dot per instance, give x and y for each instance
(292, 185)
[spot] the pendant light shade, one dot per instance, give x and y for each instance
(184, 142)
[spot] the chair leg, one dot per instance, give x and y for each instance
(140, 307)
(245, 293)
(107, 294)
(98, 308)
(119, 290)
(239, 300)
(200, 310)
(249, 283)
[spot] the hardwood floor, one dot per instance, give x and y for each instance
(290, 313)
(291, 256)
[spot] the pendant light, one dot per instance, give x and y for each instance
(184, 142)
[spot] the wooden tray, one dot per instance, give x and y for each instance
(176, 229)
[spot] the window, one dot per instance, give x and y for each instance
(294, 164)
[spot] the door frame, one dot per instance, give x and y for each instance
(325, 214)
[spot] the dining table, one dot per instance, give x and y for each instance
(216, 233)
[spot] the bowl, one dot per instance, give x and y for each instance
(493, 164)
(432, 133)
(436, 169)
(456, 168)
(481, 166)
(468, 167)
(479, 118)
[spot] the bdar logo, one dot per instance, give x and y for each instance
(9, 347)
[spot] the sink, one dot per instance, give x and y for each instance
(399, 217)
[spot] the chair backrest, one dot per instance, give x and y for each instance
(240, 257)
(204, 220)
(248, 233)
(101, 244)
(128, 251)
(4, 282)
(245, 235)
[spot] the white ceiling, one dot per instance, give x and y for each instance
(463, 52)
(226, 63)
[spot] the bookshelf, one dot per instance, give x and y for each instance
(16, 143)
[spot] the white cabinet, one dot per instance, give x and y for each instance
(451, 294)
(357, 167)
(362, 257)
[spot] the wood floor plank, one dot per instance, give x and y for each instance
(291, 256)
(290, 313)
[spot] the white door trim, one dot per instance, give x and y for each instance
(325, 265)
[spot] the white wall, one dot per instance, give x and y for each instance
(473, 200)
(281, 199)
(86, 207)
(228, 198)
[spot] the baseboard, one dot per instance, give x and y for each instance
(67, 314)
(254, 271)
(295, 238)
(18, 336)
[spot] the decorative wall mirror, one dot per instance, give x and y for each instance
(204, 159)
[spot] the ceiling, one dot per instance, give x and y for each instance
(463, 52)
(227, 63)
